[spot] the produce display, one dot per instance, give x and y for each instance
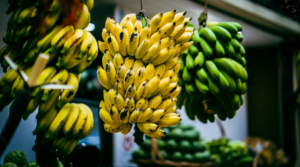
(139, 71)
(183, 144)
(55, 28)
(213, 75)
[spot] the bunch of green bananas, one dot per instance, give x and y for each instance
(213, 73)
(139, 72)
(70, 49)
(64, 127)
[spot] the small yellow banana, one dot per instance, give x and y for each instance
(124, 41)
(146, 115)
(167, 18)
(128, 62)
(167, 121)
(163, 84)
(133, 117)
(137, 64)
(124, 115)
(68, 94)
(142, 48)
(155, 21)
(114, 114)
(140, 90)
(179, 17)
(167, 29)
(71, 120)
(117, 61)
(130, 104)
(155, 38)
(119, 101)
(121, 73)
(147, 127)
(152, 86)
(111, 72)
(133, 43)
(129, 78)
(125, 128)
(131, 91)
(155, 101)
(138, 26)
(142, 104)
(119, 88)
(140, 76)
(157, 115)
(185, 37)
(145, 33)
(131, 16)
(102, 78)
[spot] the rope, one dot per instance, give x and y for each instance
(142, 9)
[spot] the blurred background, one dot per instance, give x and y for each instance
(271, 40)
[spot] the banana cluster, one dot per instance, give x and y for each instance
(70, 49)
(64, 127)
(139, 71)
(213, 73)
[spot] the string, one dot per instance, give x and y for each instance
(205, 7)
(142, 9)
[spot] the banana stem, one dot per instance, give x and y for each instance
(14, 118)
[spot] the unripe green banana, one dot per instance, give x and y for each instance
(189, 60)
(236, 44)
(230, 80)
(199, 60)
(214, 89)
(229, 27)
(209, 35)
(237, 25)
(221, 32)
(201, 86)
(193, 50)
(196, 38)
(219, 50)
(229, 50)
(199, 110)
(207, 50)
(212, 69)
(238, 36)
(182, 64)
(239, 86)
(189, 87)
(224, 84)
(186, 76)
(202, 75)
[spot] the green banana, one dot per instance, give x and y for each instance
(230, 80)
(182, 64)
(229, 27)
(189, 62)
(242, 51)
(180, 99)
(220, 111)
(186, 76)
(201, 86)
(219, 50)
(209, 35)
(243, 61)
(190, 112)
(196, 38)
(199, 110)
(227, 65)
(226, 104)
(238, 36)
(224, 84)
(229, 50)
(212, 69)
(236, 44)
(199, 60)
(221, 33)
(202, 75)
(237, 25)
(207, 50)
(214, 89)
(190, 89)
(193, 50)
(239, 86)
(244, 88)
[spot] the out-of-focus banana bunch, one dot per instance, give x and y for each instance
(213, 73)
(49, 26)
(64, 127)
(139, 71)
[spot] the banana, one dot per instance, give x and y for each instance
(186, 76)
(129, 26)
(121, 73)
(219, 50)
(181, 99)
(172, 63)
(64, 58)
(51, 18)
(114, 114)
(58, 121)
(124, 115)
(124, 41)
(58, 142)
(71, 120)
(171, 109)
(175, 92)
(119, 88)
(109, 26)
(131, 91)
(44, 43)
(229, 27)
(117, 61)
(221, 32)
(131, 16)
(102, 78)
(236, 44)
(158, 134)
(105, 97)
(138, 26)
(167, 18)
(134, 116)
(168, 73)
(191, 107)
(238, 36)
(190, 88)
(227, 65)
(167, 42)
(157, 115)
(67, 148)
(212, 86)
(155, 37)
(201, 86)
(140, 90)
(45, 121)
(150, 71)
(163, 85)
(185, 37)
(199, 60)
(209, 35)
(152, 53)
(175, 78)
(119, 101)
(225, 102)
(73, 41)
(179, 17)
(186, 45)
(188, 20)
(242, 50)
(46, 106)
(146, 115)
(129, 78)
(111, 128)
(143, 48)
(60, 78)
(89, 124)
(46, 75)
(110, 97)
(207, 50)
(155, 101)
(212, 69)
(68, 94)
(142, 104)
(9, 77)
(105, 58)
(147, 127)
(111, 72)
(130, 104)
(230, 80)
(102, 46)
(140, 76)
(137, 64)
(223, 82)
(162, 56)
(129, 62)
(83, 19)
(167, 121)
(194, 50)
(61, 37)
(152, 86)
(243, 73)
(146, 32)
(112, 44)
(133, 43)
(125, 128)
(155, 22)
(32, 105)
(165, 104)
(87, 40)
(211, 23)
(189, 60)
(105, 117)
(229, 50)
(239, 86)
(167, 29)
(160, 70)
(189, 29)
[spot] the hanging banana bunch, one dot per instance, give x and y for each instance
(213, 74)
(139, 71)
(31, 30)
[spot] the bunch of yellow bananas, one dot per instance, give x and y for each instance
(70, 49)
(64, 127)
(139, 71)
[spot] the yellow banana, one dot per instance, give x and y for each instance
(119, 101)
(73, 41)
(175, 92)
(188, 20)
(105, 117)
(155, 21)
(155, 38)
(163, 84)
(44, 43)
(137, 64)
(140, 90)
(142, 104)
(117, 31)
(121, 73)
(68, 94)
(112, 44)
(105, 97)
(119, 88)
(87, 40)
(131, 91)
(147, 127)
(167, 42)
(145, 33)
(167, 18)
(169, 73)
(71, 120)
(128, 62)
(111, 128)
(133, 117)
(102, 46)
(45, 121)
(102, 78)
(175, 78)
(157, 115)
(130, 104)
(46, 75)
(83, 19)
(189, 29)
(143, 48)
(162, 56)
(160, 70)
(167, 29)
(138, 26)
(165, 104)
(109, 26)
(167, 121)
(133, 43)
(186, 45)
(146, 115)
(178, 31)
(114, 114)
(129, 78)
(61, 37)
(158, 134)
(50, 103)
(93, 51)
(124, 41)
(9, 77)
(111, 72)
(155, 101)
(179, 17)
(172, 63)
(118, 60)
(125, 128)
(89, 124)
(152, 53)
(129, 26)
(110, 97)
(185, 37)
(152, 86)
(140, 76)
(131, 16)
(105, 58)
(172, 87)
(124, 115)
